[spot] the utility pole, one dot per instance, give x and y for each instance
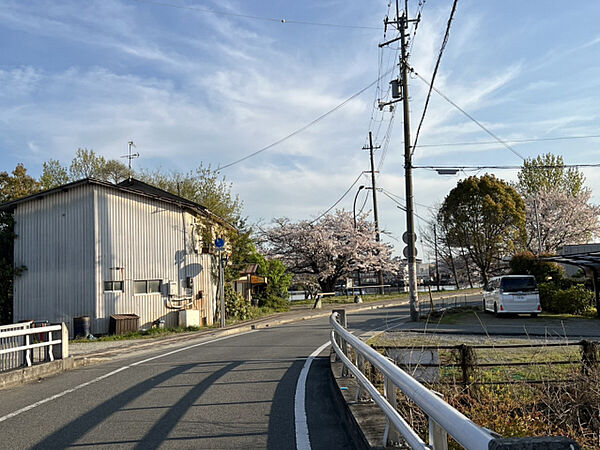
(437, 272)
(376, 216)
(401, 23)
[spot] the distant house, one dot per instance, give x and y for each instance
(93, 248)
(250, 285)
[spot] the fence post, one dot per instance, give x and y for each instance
(467, 361)
(341, 317)
(438, 437)
(391, 436)
(589, 355)
(27, 351)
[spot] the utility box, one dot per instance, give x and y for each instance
(171, 288)
(123, 323)
(189, 318)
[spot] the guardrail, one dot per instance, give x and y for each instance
(18, 342)
(444, 420)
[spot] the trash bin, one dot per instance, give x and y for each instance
(42, 337)
(81, 327)
(123, 323)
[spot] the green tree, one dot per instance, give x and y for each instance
(548, 172)
(12, 187)
(203, 186)
(87, 164)
(53, 175)
(526, 263)
(485, 216)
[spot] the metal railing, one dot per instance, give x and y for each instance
(18, 343)
(443, 418)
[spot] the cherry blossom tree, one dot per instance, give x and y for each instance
(328, 249)
(563, 218)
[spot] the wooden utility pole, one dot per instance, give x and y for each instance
(376, 216)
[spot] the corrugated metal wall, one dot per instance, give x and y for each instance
(73, 241)
(55, 241)
(143, 239)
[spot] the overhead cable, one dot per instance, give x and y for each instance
(468, 115)
(262, 18)
(435, 70)
(339, 200)
(300, 130)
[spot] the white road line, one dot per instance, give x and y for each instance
(109, 374)
(302, 438)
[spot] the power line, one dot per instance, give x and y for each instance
(469, 116)
(339, 200)
(435, 70)
(513, 141)
(300, 130)
(555, 166)
(403, 207)
(261, 18)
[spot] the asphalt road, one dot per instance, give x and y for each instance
(233, 392)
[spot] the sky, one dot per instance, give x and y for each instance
(203, 82)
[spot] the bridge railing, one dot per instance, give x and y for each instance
(443, 418)
(19, 342)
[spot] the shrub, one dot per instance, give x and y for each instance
(527, 263)
(547, 293)
(272, 301)
(575, 300)
(236, 306)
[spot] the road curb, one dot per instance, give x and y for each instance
(100, 356)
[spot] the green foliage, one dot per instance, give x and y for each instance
(236, 306)
(203, 186)
(87, 164)
(53, 175)
(575, 299)
(548, 172)
(12, 186)
(485, 216)
(547, 292)
(526, 263)
(274, 302)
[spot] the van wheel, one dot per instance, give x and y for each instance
(495, 309)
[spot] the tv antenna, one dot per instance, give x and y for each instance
(130, 155)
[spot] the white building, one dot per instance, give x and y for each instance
(94, 249)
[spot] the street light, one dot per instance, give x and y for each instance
(358, 298)
(360, 188)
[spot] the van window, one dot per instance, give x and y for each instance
(523, 284)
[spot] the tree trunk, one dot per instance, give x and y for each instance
(462, 251)
(452, 265)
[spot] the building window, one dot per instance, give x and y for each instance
(146, 286)
(113, 286)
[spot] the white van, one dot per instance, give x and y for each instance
(512, 294)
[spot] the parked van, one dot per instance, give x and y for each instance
(512, 294)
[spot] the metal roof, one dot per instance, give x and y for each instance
(131, 186)
(584, 259)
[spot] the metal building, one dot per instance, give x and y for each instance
(91, 248)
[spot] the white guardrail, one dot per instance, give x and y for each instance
(443, 418)
(18, 343)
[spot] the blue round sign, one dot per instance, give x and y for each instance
(219, 243)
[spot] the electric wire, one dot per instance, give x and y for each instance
(261, 18)
(513, 141)
(435, 70)
(301, 129)
(403, 207)
(468, 115)
(555, 166)
(339, 200)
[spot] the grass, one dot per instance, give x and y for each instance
(367, 298)
(569, 407)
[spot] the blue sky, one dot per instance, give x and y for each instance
(189, 87)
